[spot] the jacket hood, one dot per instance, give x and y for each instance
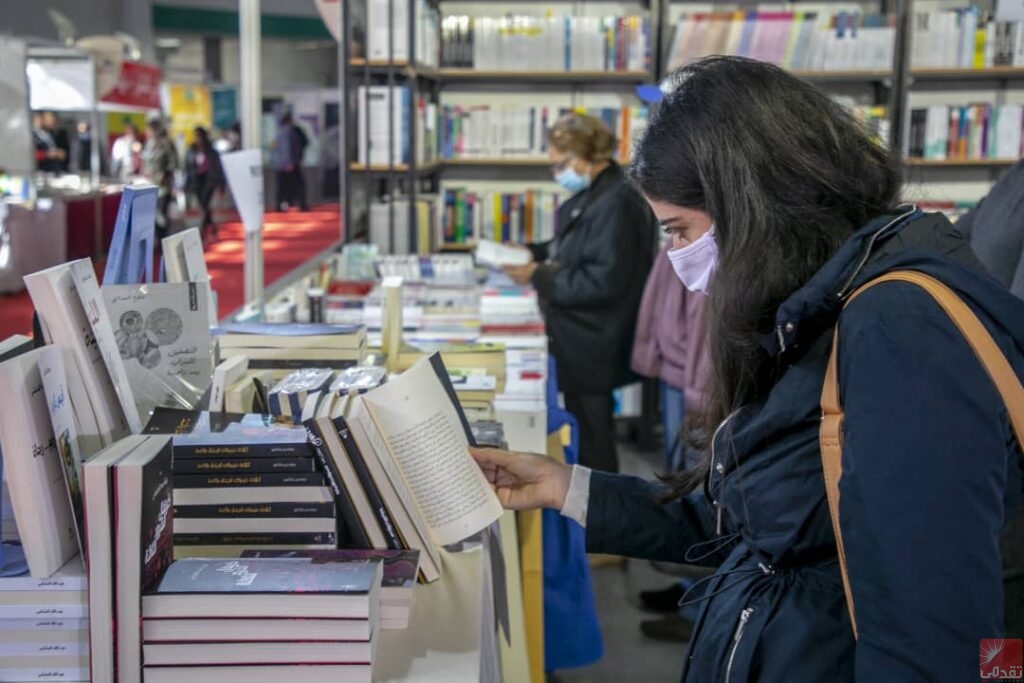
(907, 239)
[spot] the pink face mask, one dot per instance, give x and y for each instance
(695, 263)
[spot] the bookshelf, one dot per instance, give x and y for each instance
(630, 78)
(959, 163)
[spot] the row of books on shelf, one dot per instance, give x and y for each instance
(521, 217)
(974, 131)
(803, 41)
(875, 119)
(965, 38)
(520, 131)
(383, 126)
(387, 34)
(549, 42)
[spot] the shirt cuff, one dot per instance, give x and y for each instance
(577, 500)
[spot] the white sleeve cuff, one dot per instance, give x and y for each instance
(578, 498)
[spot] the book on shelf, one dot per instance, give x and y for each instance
(519, 131)
(395, 231)
(387, 35)
(472, 215)
(974, 131)
(383, 117)
(965, 38)
(33, 468)
(800, 41)
(549, 42)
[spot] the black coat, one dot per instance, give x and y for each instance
(591, 282)
(931, 473)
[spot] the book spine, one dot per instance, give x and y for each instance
(268, 450)
(202, 481)
(328, 538)
(355, 456)
(255, 511)
(350, 529)
(243, 465)
(298, 364)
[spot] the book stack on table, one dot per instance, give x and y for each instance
(283, 347)
(44, 628)
(244, 481)
(262, 619)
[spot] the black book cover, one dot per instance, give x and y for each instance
(350, 529)
(355, 456)
(157, 519)
(202, 481)
(202, 434)
(279, 538)
(241, 465)
(299, 364)
(267, 576)
(254, 511)
(446, 381)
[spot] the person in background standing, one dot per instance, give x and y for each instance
(60, 140)
(126, 154)
(590, 278)
(289, 146)
(204, 176)
(83, 147)
(160, 160)
(46, 153)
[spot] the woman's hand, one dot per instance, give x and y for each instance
(524, 481)
(521, 274)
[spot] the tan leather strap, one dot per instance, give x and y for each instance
(985, 348)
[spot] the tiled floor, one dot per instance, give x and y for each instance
(629, 656)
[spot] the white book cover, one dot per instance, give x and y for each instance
(498, 255)
(224, 375)
(65, 432)
(1008, 131)
(33, 468)
(163, 330)
(936, 132)
(88, 288)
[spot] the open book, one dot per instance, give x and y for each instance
(413, 427)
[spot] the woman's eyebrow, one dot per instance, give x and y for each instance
(668, 222)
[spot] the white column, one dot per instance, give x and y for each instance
(249, 44)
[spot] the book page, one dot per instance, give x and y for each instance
(424, 434)
(497, 255)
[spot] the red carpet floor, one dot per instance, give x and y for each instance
(289, 239)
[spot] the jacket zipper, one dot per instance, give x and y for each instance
(711, 469)
(736, 638)
(871, 247)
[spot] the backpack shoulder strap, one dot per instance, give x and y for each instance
(985, 348)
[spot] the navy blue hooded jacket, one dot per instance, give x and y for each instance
(931, 475)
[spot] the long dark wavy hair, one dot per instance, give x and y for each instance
(787, 175)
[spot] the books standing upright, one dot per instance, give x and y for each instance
(32, 466)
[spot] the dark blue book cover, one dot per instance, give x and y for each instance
(205, 434)
(264, 575)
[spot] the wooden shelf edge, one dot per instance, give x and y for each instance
(427, 167)
(967, 74)
(497, 162)
(478, 74)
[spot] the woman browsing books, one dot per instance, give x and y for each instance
(590, 278)
(781, 208)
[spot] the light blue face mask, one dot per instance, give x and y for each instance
(572, 181)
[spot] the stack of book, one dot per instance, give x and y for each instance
(528, 216)
(244, 481)
(44, 628)
(965, 38)
(809, 41)
(262, 619)
(387, 35)
(510, 310)
(974, 131)
(516, 131)
(547, 43)
(300, 394)
(282, 347)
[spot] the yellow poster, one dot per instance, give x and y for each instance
(190, 107)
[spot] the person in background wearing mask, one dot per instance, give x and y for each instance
(126, 154)
(781, 206)
(590, 278)
(160, 160)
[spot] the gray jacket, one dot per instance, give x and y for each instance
(995, 228)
